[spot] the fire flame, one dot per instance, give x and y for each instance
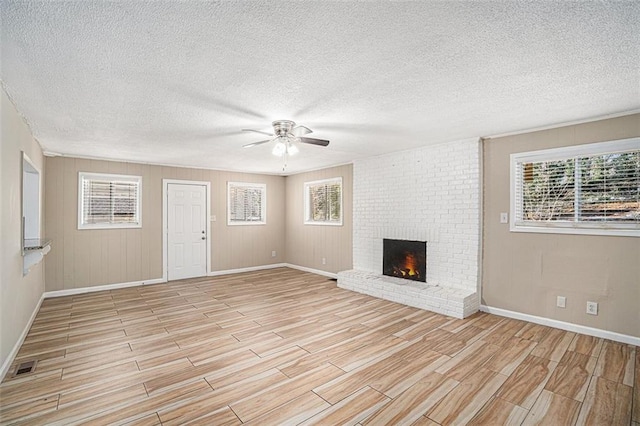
(411, 265)
(409, 268)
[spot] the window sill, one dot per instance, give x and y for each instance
(612, 232)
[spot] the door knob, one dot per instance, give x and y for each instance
(204, 238)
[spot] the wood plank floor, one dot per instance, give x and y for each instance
(288, 347)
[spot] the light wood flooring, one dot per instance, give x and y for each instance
(287, 347)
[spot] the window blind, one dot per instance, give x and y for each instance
(247, 203)
(602, 189)
(106, 201)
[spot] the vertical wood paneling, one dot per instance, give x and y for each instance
(97, 257)
(54, 208)
(85, 258)
(68, 222)
(151, 262)
(308, 244)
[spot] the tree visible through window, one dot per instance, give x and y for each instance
(595, 187)
(323, 202)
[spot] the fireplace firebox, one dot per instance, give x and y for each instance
(405, 259)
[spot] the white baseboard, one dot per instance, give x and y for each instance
(313, 271)
(247, 269)
(576, 328)
(82, 290)
(12, 355)
(273, 266)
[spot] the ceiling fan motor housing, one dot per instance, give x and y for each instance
(283, 127)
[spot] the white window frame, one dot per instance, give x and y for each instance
(82, 176)
(307, 196)
(263, 207)
(567, 153)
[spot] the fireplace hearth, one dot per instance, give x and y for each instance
(405, 259)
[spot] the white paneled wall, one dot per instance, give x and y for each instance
(430, 194)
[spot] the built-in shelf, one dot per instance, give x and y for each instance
(31, 244)
(33, 251)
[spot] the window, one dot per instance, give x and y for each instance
(323, 202)
(109, 201)
(584, 189)
(247, 203)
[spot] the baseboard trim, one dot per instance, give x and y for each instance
(313, 271)
(82, 290)
(12, 355)
(247, 269)
(273, 266)
(576, 328)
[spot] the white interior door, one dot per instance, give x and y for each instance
(186, 231)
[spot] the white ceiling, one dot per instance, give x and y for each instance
(173, 82)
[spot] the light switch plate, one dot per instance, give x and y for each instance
(504, 217)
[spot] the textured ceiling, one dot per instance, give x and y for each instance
(173, 82)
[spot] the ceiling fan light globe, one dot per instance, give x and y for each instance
(279, 149)
(292, 149)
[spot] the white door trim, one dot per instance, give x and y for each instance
(165, 193)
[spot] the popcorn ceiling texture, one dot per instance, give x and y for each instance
(173, 82)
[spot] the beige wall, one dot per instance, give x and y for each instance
(19, 295)
(86, 258)
(524, 272)
(308, 244)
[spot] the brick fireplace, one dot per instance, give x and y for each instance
(430, 194)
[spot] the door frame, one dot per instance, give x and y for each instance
(165, 226)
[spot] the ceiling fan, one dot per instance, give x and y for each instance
(286, 136)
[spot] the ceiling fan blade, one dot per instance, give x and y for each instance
(257, 131)
(313, 141)
(249, 145)
(301, 130)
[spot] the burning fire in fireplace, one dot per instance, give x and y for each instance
(409, 268)
(405, 259)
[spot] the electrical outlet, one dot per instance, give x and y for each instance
(592, 308)
(273, 253)
(561, 302)
(324, 260)
(504, 217)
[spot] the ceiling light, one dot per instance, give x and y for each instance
(292, 149)
(280, 148)
(285, 145)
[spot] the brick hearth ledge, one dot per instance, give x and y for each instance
(447, 301)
